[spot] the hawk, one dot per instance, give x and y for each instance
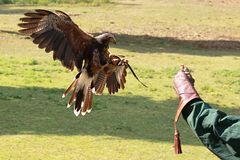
(97, 67)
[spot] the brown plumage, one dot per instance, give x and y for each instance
(56, 32)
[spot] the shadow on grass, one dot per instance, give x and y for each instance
(34, 110)
(4, 9)
(152, 44)
(10, 32)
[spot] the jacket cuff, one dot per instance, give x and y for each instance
(189, 107)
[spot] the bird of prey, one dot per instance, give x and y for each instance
(97, 67)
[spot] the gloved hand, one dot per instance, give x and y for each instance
(184, 87)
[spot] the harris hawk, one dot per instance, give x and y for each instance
(97, 68)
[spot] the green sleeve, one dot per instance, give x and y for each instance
(219, 132)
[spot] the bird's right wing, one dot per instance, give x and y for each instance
(58, 33)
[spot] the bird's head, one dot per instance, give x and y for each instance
(106, 38)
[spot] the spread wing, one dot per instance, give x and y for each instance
(58, 33)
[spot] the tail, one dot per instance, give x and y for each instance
(83, 103)
(82, 93)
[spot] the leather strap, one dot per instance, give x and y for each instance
(183, 84)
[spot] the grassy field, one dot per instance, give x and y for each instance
(156, 37)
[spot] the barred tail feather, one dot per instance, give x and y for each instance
(87, 102)
(72, 85)
(79, 102)
(83, 96)
(90, 102)
(72, 99)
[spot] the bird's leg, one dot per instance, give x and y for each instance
(105, 65)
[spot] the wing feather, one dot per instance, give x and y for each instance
(117, 79)
(44, 40)
(28, 25)
(49, 45)
(99, 82)
(31, 20)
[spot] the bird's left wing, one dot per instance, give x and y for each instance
(116, 79)
(113, 76)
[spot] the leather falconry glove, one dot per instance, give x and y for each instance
(184, 87)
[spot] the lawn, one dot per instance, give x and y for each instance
(156, 37)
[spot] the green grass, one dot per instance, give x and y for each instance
(136, 123)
